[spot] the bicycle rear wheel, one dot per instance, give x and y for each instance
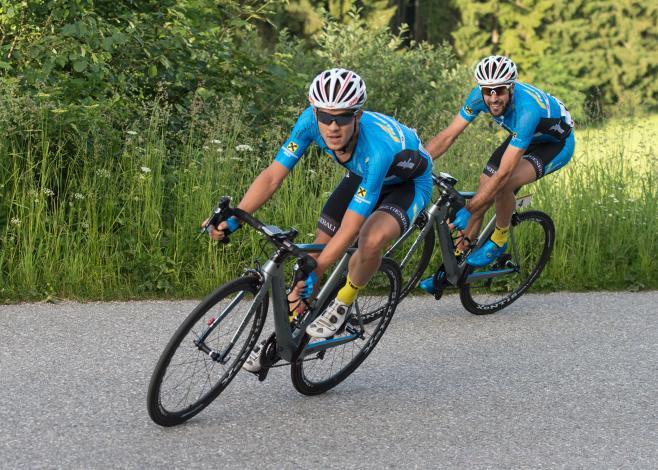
(206, 352)
(532, 235)
(412, 254)
(319, 372)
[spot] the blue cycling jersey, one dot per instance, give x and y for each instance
(386, 153)
(532, 115)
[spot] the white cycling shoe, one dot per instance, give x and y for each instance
(254, 362)
(330, 321)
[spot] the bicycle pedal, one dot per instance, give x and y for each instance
(353, 331)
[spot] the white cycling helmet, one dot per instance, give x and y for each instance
(495, 70)
(337, 89)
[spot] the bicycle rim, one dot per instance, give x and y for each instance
(532, 235)
(322, 371)
(186, 379)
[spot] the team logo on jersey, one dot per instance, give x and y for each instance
(557, 128)
(292, 146)
(361, 192)
(468, 109)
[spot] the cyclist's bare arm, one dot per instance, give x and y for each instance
(442, 141)
(260, 191)
(487, 192)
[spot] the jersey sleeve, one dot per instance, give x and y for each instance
(302, 135)
(473, 106)
(366, 196)
(525, 129)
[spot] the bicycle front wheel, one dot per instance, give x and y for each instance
(532, 235)
(321, 371)
(412, 252)
(206, 352)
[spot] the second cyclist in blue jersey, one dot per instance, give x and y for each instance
(540, 141)
(387, 182)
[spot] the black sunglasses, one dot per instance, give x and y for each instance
(341, 119)
(499, 90)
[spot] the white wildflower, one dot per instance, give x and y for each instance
(78, 196)
(215, 141)
(146, 169)
(103, 173)
(15, 221)
(48, 192)
(244, 148)
(84, 225)
(131, 132)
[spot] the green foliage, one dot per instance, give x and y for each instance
(114, 147)
(81, 52)
(422, 85)
(587, 53)
(111, 211)
(306, 17)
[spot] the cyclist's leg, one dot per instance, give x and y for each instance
(539, 160)
(531, 167)
(331, 218)
(377, 231)
(475, 223)
(396, 210)
(523, 174)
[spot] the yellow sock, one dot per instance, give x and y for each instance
(500, 235)
(348, 293)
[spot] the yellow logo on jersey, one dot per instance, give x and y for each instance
(389, 131)
(468, 109)
(292, 146)
(361, 192)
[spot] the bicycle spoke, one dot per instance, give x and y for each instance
(530, 245)
(187, 379)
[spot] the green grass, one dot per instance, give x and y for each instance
(121, 220)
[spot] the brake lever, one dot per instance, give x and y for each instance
(216, 217)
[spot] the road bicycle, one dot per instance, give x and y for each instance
(481, 290)
(211, 345)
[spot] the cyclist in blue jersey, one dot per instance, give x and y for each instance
(387, 183)
(541, 141)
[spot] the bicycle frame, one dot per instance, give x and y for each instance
(437, 215)
(273, 280)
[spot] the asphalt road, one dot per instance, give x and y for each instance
(554, 381)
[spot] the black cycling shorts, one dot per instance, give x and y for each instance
(545, 157)
(397, 200)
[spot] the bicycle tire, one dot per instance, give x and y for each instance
(528, 229)
(381, 293)
(417, 255)
(193, 359)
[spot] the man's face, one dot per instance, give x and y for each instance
(336, 126)
(497, 97)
